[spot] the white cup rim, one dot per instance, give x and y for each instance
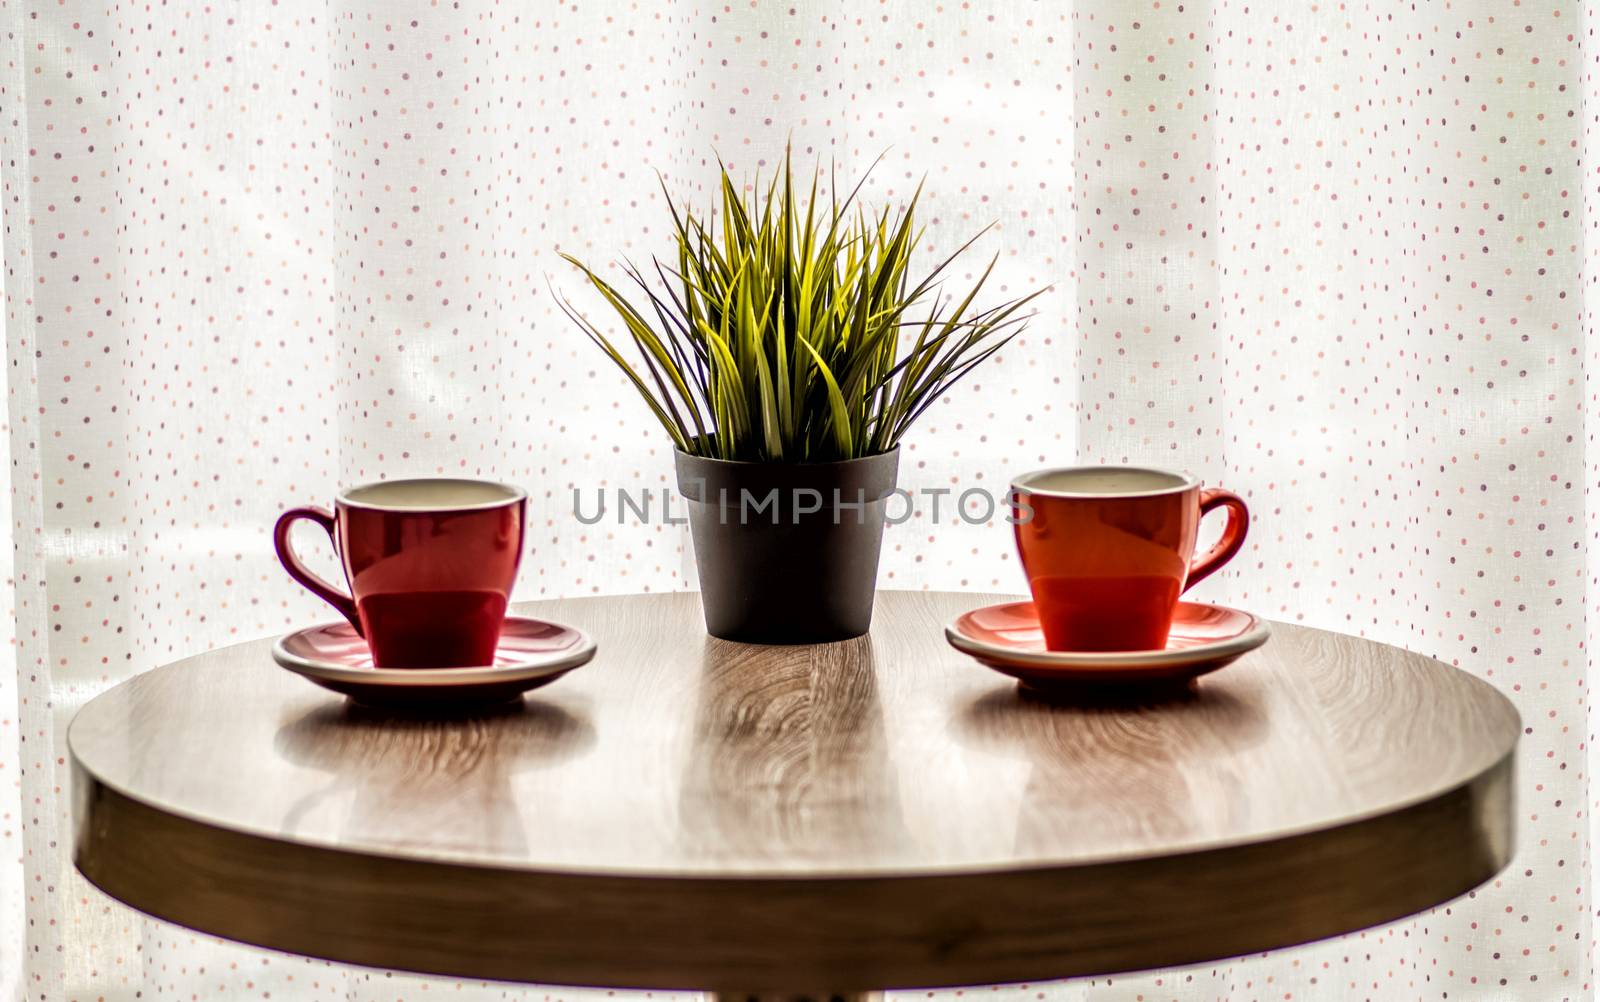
(510, 494)
(1180, 482)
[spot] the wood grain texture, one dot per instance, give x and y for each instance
(690, 813)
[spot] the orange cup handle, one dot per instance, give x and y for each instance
(1232, 539)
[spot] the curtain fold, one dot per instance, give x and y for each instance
(1329, 256)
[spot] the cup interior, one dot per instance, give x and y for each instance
(430, 494)
(1103, 481)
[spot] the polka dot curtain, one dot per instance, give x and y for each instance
(1329, 255)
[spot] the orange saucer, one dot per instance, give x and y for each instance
(1008, 639)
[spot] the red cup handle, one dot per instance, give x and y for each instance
(291, 563)
(1232, 539)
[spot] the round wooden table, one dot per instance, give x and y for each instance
(686, 812)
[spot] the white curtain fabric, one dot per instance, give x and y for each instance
(1329, 255)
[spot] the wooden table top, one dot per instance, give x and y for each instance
(686, 812)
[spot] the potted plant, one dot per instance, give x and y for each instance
(786, 350)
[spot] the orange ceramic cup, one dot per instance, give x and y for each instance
(1108, 550)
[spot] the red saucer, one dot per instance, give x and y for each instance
(531, 653)
(1203, 638)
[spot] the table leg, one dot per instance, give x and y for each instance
(794, 996)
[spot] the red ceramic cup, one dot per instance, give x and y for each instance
(1108, 550)
(430, 565)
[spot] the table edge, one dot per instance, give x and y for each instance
(669, 932)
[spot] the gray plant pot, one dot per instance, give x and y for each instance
(787, 552)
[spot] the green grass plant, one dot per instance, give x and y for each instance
(789, 330)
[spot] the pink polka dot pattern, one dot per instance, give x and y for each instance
(1328, 255)
(1146, 213)
(13, 890)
